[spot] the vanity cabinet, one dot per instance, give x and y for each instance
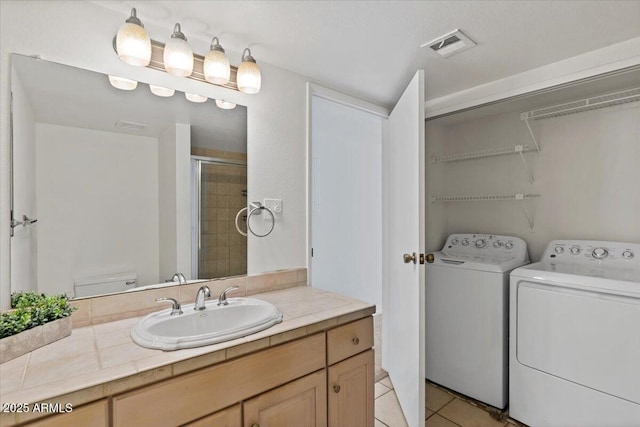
(350, 375)
(319, 380)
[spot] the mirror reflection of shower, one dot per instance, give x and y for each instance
(220, 192)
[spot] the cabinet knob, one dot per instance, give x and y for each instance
(355, 341)
(255, 425)
(336, 388)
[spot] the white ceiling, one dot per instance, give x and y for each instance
(371, 49)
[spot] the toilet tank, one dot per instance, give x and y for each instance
(104, 284)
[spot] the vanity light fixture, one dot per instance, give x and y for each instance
(163, 92)
(178, 56)
(133, 44)
(249, 77)
(122, 83)
(225, 105)
(216, 64)
(194, 97)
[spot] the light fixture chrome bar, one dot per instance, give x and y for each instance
(157, 63)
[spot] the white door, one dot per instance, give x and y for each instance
(404, 233)
(346, 226)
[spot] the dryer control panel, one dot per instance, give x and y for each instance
(490, 246)
(593, 251)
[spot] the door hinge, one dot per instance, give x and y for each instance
(311, 252)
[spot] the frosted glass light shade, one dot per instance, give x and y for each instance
(225, 105)
(122, 83)
(133, 43)
(216, 67)
(194, 97)
(161, 91)
(178, 55)
(249, 77)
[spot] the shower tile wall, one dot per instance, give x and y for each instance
(223, 250)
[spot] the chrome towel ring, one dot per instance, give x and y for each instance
(257, 207)
(237, 226)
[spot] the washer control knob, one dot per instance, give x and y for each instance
(465, 242)
(480, 243)
(508, 245)
(627, 254)
(575, 250)
(497, 244)
(559, 250)
(454, 241)
(600, 253)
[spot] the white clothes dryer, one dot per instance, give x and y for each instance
(574, 349)
(467, 314)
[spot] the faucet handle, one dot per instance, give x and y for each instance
(222, 299)
(175, 309)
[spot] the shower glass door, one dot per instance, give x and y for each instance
(220, 193)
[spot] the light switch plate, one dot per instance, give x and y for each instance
(275, 205)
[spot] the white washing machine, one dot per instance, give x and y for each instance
(467, 314)
(575, 336)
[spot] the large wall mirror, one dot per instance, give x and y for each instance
(128, 188)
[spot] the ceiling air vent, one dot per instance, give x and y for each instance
(131, 125)
(450, 44)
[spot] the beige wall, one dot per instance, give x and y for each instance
(587, 175)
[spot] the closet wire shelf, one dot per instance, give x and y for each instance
(483, 153)
(483, 198)
(492, 197)
(587, 104)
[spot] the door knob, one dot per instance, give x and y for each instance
(408, 258)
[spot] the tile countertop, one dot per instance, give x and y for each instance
(101, 360)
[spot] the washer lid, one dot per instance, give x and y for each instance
(615, 280)
(495, 263)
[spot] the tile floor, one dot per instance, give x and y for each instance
(443, 409)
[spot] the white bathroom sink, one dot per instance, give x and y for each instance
(195, 328)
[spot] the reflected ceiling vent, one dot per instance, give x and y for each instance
(131, 125)
(450, 44)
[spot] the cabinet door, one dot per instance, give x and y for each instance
(230, 417)
(301, 403)
(351, 384)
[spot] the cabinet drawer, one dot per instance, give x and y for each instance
(188, 397)
(347, 340)
(91, 415)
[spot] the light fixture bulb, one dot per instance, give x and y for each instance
(194, 97)
(225, 105)
(217, 69)
(133, 43)
(163, 92)
(122, 83)
(249, 77)
(178, 55)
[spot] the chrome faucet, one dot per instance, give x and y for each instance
(181, 279)
(175, 309)
(222, 299)
(203, 293)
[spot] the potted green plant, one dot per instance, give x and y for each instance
(34, 320)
